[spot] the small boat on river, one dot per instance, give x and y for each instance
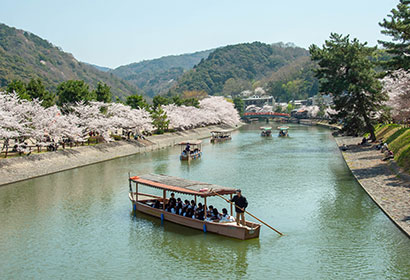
(283, 131)
(220, 136)
(155, 205)
(266, 131)
(190, 149)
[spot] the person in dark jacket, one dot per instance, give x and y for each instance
(240, 204)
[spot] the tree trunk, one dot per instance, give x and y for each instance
(369, 127)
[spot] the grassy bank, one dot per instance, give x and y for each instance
(398, 139)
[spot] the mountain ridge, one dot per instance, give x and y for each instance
(25, 56)
(156, 76)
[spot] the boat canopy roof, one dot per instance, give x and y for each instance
(190, 142)
(266, 128)
(283, 127)
(221, 131)
(180, 185)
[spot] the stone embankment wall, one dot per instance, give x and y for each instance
(35, 165)
(385, 183)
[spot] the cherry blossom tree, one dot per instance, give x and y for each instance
(219, 108)
(211, 111)
(397, 86)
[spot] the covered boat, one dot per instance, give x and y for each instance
(155, 205)
(220, 136)
(190, 149)
(266, 131)
(283, 131)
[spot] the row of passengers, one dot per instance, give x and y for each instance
(187, 209)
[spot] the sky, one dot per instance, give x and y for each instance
(113, 33)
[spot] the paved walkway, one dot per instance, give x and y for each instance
(380, 179)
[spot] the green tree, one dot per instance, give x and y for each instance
(191, 102)
(160, 100)
(239, 105)
(73, 91)
(346, 70)
(35, 90)
(322, 106)
(136, 101)
(289, 108)
(398, 27)
(18, 87)
(159, 120)
(103, 93)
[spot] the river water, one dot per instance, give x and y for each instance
(79, 224)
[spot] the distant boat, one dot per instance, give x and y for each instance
(155, 205)
(190, 149)
(283, 131)
(266, 131)
(220, 136)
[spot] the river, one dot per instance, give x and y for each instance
(79, 224)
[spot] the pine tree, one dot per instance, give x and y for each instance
(346, 71)
(103, 93)
(398, 27)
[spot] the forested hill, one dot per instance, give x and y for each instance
(24, 56)
(159, 75)
(237, 67)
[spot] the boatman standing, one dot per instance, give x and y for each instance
(240, 205)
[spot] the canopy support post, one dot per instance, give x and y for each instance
(195, 199)
(164, 197)
(205, 209)
(130, 185)
(231, 205)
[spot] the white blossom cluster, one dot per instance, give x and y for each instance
(397, 86)
(211, 111)
(22, 119)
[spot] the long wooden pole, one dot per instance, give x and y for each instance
(248, 213)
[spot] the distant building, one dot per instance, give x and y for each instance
(299, 103)
(300, 114)
(259, 101)
(327, 100)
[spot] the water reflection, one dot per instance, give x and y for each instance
(77, 224)
(192, 249)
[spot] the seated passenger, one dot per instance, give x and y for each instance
(156, 204)
(225, 218)
(209, 213)
(199, 213)
(185, 206)
(189, 213)
(193, 205)
(178, 206)
(215, 215)
(172, 201)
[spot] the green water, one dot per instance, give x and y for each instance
(78, 224)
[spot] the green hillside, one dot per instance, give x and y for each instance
(238, 64)
(159, 75)
(24, 56)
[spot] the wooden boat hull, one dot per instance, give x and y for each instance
(190, 156)
(219, 140)
(226, 229)
(266, 135)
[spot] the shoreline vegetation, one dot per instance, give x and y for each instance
(22, 168)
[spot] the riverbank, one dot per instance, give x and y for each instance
(26, 167)
(384, 181)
